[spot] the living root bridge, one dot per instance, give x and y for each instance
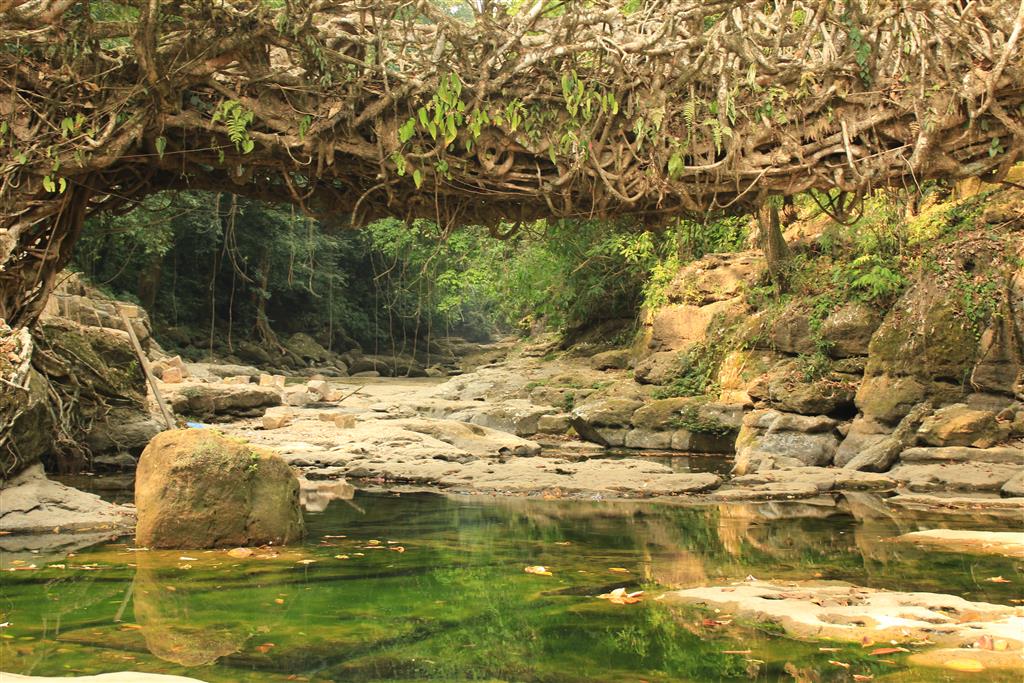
(597, 109)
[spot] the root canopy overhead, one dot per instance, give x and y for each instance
(596, 109)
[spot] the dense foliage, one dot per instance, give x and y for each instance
(217, 267)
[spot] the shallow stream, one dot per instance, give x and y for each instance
(419, 587)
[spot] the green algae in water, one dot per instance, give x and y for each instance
(454, 603)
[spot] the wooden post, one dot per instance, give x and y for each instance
(144, 362)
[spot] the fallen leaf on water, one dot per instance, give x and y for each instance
(130, 627)
(619, 596)
(618, 570)
(838, 663)
(563, 542)
(537, 569)
(184, 566)
(305, 562)
(279, 601)
(998, 579)
(264, 648)
(373, 541)
(888, 650)
(863, 677)
(969, 665)
(335, 536)
(397, 548)
(341, 557)
(56, 566)
(736, 652)
(240, 553)
(829, 649)
(186, 558)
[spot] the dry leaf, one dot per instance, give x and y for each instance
(264, 648)
(538, 569)
(998, 579)
(737, 652)
(373, 541)
(863, 677)
(240, 553)
(888, 650)
(186, 558)
(279, 601)
(618, 570)
(838, 663)
(397, 548)
(341, 557)
(829, 649)
(969, 665)
(305, 562)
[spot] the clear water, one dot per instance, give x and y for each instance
(456, 604)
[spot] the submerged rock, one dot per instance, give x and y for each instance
(197, 489)
(970, 541)
(117, 677)
(851, 614)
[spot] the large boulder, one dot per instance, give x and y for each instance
(787, 387)
(306, 348)
(195, 488)
(770, 440)
(77, 300)
(848, 329)
(221, 401)
(958, 425)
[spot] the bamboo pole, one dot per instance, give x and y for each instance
(144, 362)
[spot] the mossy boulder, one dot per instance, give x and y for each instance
(196, 488)
(306, 348)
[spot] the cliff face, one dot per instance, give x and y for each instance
(861, 361)
(81, 391)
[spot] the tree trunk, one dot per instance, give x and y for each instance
(773, 244)
(148, 285)
(31, 257)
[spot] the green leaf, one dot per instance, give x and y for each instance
(161, 145)
(432, 129)
(675, 165)
(48, 184)
(422, 113)
(407, 130)
(62, 184)
(248, 145)
(417, 177)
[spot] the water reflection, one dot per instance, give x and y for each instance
(180, 625)
(418, 587)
